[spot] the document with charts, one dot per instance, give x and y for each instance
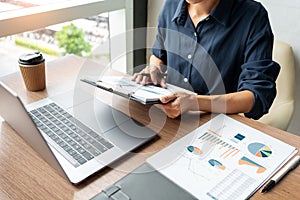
(222, 159)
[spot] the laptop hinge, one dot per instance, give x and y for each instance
(114, 192)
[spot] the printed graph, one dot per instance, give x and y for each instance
(246, 161)
(194, 150)
(216, 164)
(260, 150)
(214, 139)
(237, 138)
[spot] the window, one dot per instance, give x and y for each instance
(36, 21)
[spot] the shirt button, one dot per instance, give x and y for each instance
(185, 80)
(189, 56)
(195, 34)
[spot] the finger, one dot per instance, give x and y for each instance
(168, 98)
(163, 83)
(135, 75)
(138, 79)
(172, 110)
(164, 108)
(145, 80)
(153, 74)
(140, 75)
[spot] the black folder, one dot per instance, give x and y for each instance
(144, 183)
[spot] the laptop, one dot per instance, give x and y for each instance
(76, 136)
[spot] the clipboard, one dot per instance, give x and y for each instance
(144, 94)
(128, 95)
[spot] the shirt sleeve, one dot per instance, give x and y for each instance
(259, 77)
(158, 48)
(259, 71)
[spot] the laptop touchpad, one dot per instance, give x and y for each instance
(98, 115)
(91, 111)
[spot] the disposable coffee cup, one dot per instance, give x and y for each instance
(32, 67)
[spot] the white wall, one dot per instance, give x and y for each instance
(154, 8)
(284, 17)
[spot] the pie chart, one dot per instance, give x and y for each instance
(260, 150)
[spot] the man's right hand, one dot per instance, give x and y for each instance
(151, 74)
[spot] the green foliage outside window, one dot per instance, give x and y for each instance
(72, 39)
(25, 43)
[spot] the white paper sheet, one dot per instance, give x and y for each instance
(222, 159)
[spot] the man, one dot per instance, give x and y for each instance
(236, 75)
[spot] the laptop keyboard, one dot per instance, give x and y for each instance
(79, 142)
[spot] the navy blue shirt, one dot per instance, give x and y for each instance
(229, 51)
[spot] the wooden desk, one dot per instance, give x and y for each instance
(24, 175)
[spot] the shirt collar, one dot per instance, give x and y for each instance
(180, 15)
(221, 12)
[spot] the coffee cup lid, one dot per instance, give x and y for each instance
(31, 58)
